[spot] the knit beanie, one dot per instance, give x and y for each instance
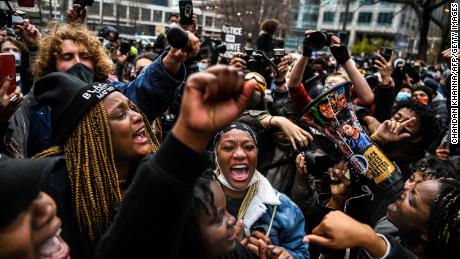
(70, 99)
(425, 89)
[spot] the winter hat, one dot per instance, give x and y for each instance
(69, 99)
(425, 89)
(19, 184)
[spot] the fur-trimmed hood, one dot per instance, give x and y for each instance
(266, 195)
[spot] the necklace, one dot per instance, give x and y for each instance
(122, 181)
(247, 199)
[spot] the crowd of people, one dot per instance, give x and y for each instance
(111, 149)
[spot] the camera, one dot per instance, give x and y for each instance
(9, 17)
(84, 3)
(278, 54)
(317, 161)
(257, 61)
(211, 48)
(318, 39)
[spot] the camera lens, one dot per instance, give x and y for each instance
(317, 40)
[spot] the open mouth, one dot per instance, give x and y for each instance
(239, 172)
(55, 248)
(140, 137)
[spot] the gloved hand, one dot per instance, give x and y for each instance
(339, 51)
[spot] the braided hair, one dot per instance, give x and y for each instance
(444, 221)
(92, 171)
(203, 197)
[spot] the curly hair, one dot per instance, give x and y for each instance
(429, 130)
(50, 45)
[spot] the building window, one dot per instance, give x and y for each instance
(121, 12)
(310, 17)
(157, 15)
(385, 18)
(133, 13)
(328, 17)
(208, 21)
(108, 9)
(364, 18)
(146, 14)
(94, 9)
(349, 17)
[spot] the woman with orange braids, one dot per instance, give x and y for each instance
(102, 135)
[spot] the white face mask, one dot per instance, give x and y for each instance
(17, 57)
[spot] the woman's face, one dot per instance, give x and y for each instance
(129, 135)
(217, 229)
(410, 212)
(9, 47)
(237, 157)
(31, 229)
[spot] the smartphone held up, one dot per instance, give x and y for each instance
(8, 71)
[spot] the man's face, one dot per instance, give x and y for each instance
(72, 53)
(173, 19)
(342, 100)
(349, 130)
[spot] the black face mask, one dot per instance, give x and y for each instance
(83, 72)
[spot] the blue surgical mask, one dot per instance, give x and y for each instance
(403, 96)
(201, 66)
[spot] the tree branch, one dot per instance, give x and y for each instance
(412, 4)
(436, 21)
(435, 6)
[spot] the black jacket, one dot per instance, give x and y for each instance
(156, 207)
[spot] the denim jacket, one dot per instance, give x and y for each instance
(288, 227)
(153, 91)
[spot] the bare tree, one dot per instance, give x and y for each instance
(424, 10)
(250, 13)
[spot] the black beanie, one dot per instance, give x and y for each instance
(20, 184)
(69, 99)
(425, 89)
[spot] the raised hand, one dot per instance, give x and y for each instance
(385, 67)
(294, 133)
(28, 33)
(237, 62)
(76, 15)
(9, 103)
(211, 100)
(389, 130)
(338, 231)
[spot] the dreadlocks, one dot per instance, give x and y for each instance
(92, 172)
(203, 197)
(444, 221)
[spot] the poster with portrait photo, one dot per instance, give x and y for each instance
(354, 136)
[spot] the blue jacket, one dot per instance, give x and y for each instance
(153, 91)
(288, 227)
